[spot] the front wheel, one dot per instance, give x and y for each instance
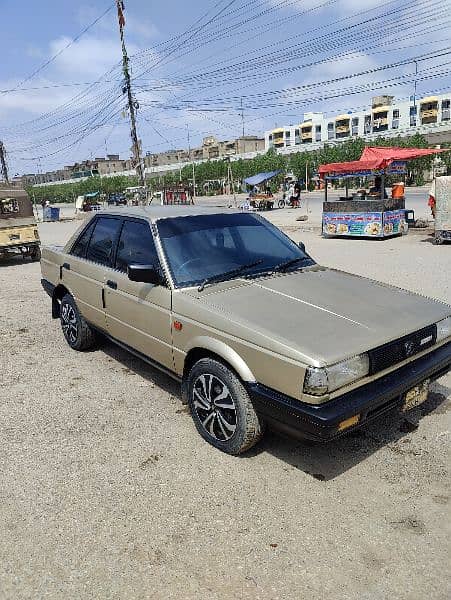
(221, 408)
(281, 204)
(76, 330)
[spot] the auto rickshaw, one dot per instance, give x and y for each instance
(18, 229)
(440, 203)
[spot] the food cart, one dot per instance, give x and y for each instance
(374, 214)
(441, 192)
(257, 199)
(88, 202)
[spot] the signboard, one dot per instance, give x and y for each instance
(397, 167)
(367, 224)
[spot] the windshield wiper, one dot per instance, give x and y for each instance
(287, 264)
(227, 274)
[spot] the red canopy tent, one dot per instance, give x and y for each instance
(376, 159)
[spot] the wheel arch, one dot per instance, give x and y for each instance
(203, 347)
(58, 293)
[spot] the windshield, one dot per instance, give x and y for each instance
(204, 247)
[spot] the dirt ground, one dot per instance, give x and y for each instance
(107, 491)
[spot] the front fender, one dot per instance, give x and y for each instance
(226, 353)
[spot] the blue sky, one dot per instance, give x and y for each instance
(193, 64)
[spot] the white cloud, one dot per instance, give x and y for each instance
(88, 57)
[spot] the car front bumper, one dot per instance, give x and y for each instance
(321, 421)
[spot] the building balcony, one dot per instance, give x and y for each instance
(380, 122)
(279, 142)
(446, 114)
(342, 128)
(306, 135)
(426, 113)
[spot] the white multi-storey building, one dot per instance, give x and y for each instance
(430, 116)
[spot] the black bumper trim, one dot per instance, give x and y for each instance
(20, 245)
(320, 421)
(48, 287)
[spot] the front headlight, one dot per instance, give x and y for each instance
(444, 329)
(322, 380)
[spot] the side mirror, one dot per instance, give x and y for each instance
(144, 274)
(302, 247)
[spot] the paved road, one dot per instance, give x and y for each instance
(107, 491)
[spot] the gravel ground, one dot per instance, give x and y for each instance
(107, 491)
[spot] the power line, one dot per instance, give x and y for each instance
(55, 56)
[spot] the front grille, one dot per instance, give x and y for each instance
(392, 353)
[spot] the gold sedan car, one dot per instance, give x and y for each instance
(256, 332)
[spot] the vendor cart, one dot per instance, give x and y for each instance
(442, 188)
(374, 214)
(257, 200)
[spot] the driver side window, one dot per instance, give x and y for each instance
(136, 246)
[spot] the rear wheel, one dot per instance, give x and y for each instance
(281, 204)
(76, 330)
(35, 253)
(221, 408)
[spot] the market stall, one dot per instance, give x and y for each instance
(372, 213)
(261, 200)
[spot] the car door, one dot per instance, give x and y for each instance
(84, 272)
(139, 314)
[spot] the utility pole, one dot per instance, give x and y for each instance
(415, 84)
(132, 105)
(3, 165)
(230, 180)
(242, 114)
(189, 154)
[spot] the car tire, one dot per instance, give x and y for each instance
(221, 408)
(77, 332)
(35, 253)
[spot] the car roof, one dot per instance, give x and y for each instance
(156, 212)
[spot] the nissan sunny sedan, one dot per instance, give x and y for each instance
(256, 332)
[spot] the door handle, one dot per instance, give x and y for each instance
(111, 284)
(64, 266)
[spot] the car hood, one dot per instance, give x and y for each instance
(316, 315)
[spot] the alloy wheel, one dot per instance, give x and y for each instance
(214, 407)
(69, 323)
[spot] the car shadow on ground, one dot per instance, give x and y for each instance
(326, 461)
(321, 461)
(12, 261)
(140, 367)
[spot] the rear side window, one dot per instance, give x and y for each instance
(81, 245)
(136, 246)
(102, 241)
